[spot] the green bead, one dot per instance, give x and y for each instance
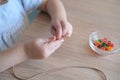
(103, 45)
(99, 40)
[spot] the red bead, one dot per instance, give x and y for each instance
(104, 40)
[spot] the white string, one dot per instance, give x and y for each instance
(59, 69)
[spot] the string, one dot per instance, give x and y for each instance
(101, 73)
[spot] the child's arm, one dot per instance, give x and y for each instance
(60, 27)
(36, 49)
(12, 57)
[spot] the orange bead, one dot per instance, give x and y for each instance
(96, 43)
(110, 48)
(103, 48)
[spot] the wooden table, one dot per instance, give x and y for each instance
(86, 16)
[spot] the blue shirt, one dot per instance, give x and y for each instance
(13, 20)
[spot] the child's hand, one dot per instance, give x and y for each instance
(61, 29)
(42, 48)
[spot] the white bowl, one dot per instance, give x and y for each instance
(95, 36)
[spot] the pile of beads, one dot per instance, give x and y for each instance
(104, 44)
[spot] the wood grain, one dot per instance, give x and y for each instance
(86, 16)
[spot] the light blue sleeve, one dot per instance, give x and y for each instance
(30, 5)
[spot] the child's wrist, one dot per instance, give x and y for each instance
(58, 17)
(26, 50)
(19, 48)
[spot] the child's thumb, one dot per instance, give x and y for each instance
(53, 38)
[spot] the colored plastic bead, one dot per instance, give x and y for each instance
(104, 44)
(104, 40)
(99, 40)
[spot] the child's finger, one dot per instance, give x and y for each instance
(48, 40)
(44, 41)
(53, 30)
(59, 31)
(69, 32)
(64, 28)
(51, 39)
(55, 44)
